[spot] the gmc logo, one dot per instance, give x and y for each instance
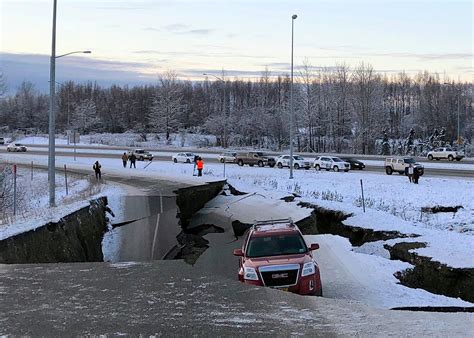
(279, 275)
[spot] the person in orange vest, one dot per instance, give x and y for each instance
(200, 166)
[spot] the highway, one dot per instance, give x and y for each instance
(458, 169)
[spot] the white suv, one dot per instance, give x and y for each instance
(400, 165)
(298, 162)
(447, 153)
(17, 147)
(331, 163)
(183, 157)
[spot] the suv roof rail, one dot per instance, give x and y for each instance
(273, 222)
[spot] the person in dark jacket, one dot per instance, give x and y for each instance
(124, 159)
(96, 167)
(133, 159)
(416, 175)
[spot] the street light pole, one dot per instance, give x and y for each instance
(52, 127)
(52, 111)
(293, 18)
(459, 136)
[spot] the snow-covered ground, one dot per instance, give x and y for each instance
(32, 206)
(392, 203)
(131, 140)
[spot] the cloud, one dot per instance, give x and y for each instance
(202, 54)
(425, 56)
(183, 29)
(35, 68)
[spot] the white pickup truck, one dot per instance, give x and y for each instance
(446, 153)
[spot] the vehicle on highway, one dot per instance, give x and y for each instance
(228, 156)
(298, 162)
(331, 163)
(183, 157)
(355, 164)
(446, 153)
(255, 158)
(140, 154)
(401, 164)
(16, 147)
(275, 254)
(2, 140)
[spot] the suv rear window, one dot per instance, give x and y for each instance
(275, 245)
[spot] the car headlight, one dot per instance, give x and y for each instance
(308, 269)
(250, 274)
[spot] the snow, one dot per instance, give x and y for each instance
(392, 204)
(36, 212)
(368, 278)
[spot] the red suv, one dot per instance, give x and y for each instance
(274, 253)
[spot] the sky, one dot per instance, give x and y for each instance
(133, 41)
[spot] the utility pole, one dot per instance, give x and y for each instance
(52, 117)
(293, 18)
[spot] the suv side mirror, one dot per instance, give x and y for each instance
(314, 246)
(238, 252)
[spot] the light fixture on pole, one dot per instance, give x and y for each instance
(293, 18)
(52, 110)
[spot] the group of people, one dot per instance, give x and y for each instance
(198, 163)
(413, 174)
(126, 158)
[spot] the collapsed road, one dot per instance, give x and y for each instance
(158, 297)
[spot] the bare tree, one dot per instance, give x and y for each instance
(3, 85)
(366, 102)
(167, 104)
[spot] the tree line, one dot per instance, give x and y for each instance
(339, 109)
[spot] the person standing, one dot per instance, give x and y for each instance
(200, 166)
(124, 159)
(411, 171)
(416, 175)
(133, 159)
(96, 167)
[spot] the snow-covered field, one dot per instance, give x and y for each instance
(32, 205)
(131, 140)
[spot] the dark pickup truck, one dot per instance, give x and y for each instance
(255, 158)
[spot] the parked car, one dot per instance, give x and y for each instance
(17, 147)
(298, 162)
(331, 163)
(183, 157)
(2, 140)
(228, 156)
(255, 157)
(354, 164)
(141, 154)
(446, 153)
(275, 254)
(400, 165)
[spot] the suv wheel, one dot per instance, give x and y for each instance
(389, 170)
(297, 166)
(188, 161)
(336, 168)
(175, 160)
(140, 158)
(430, 157)
(240, 163)
(279, 165)
(222, 160)
(451, 158)
(260, 164)
(317, 167)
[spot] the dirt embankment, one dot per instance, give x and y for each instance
(74, 238)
